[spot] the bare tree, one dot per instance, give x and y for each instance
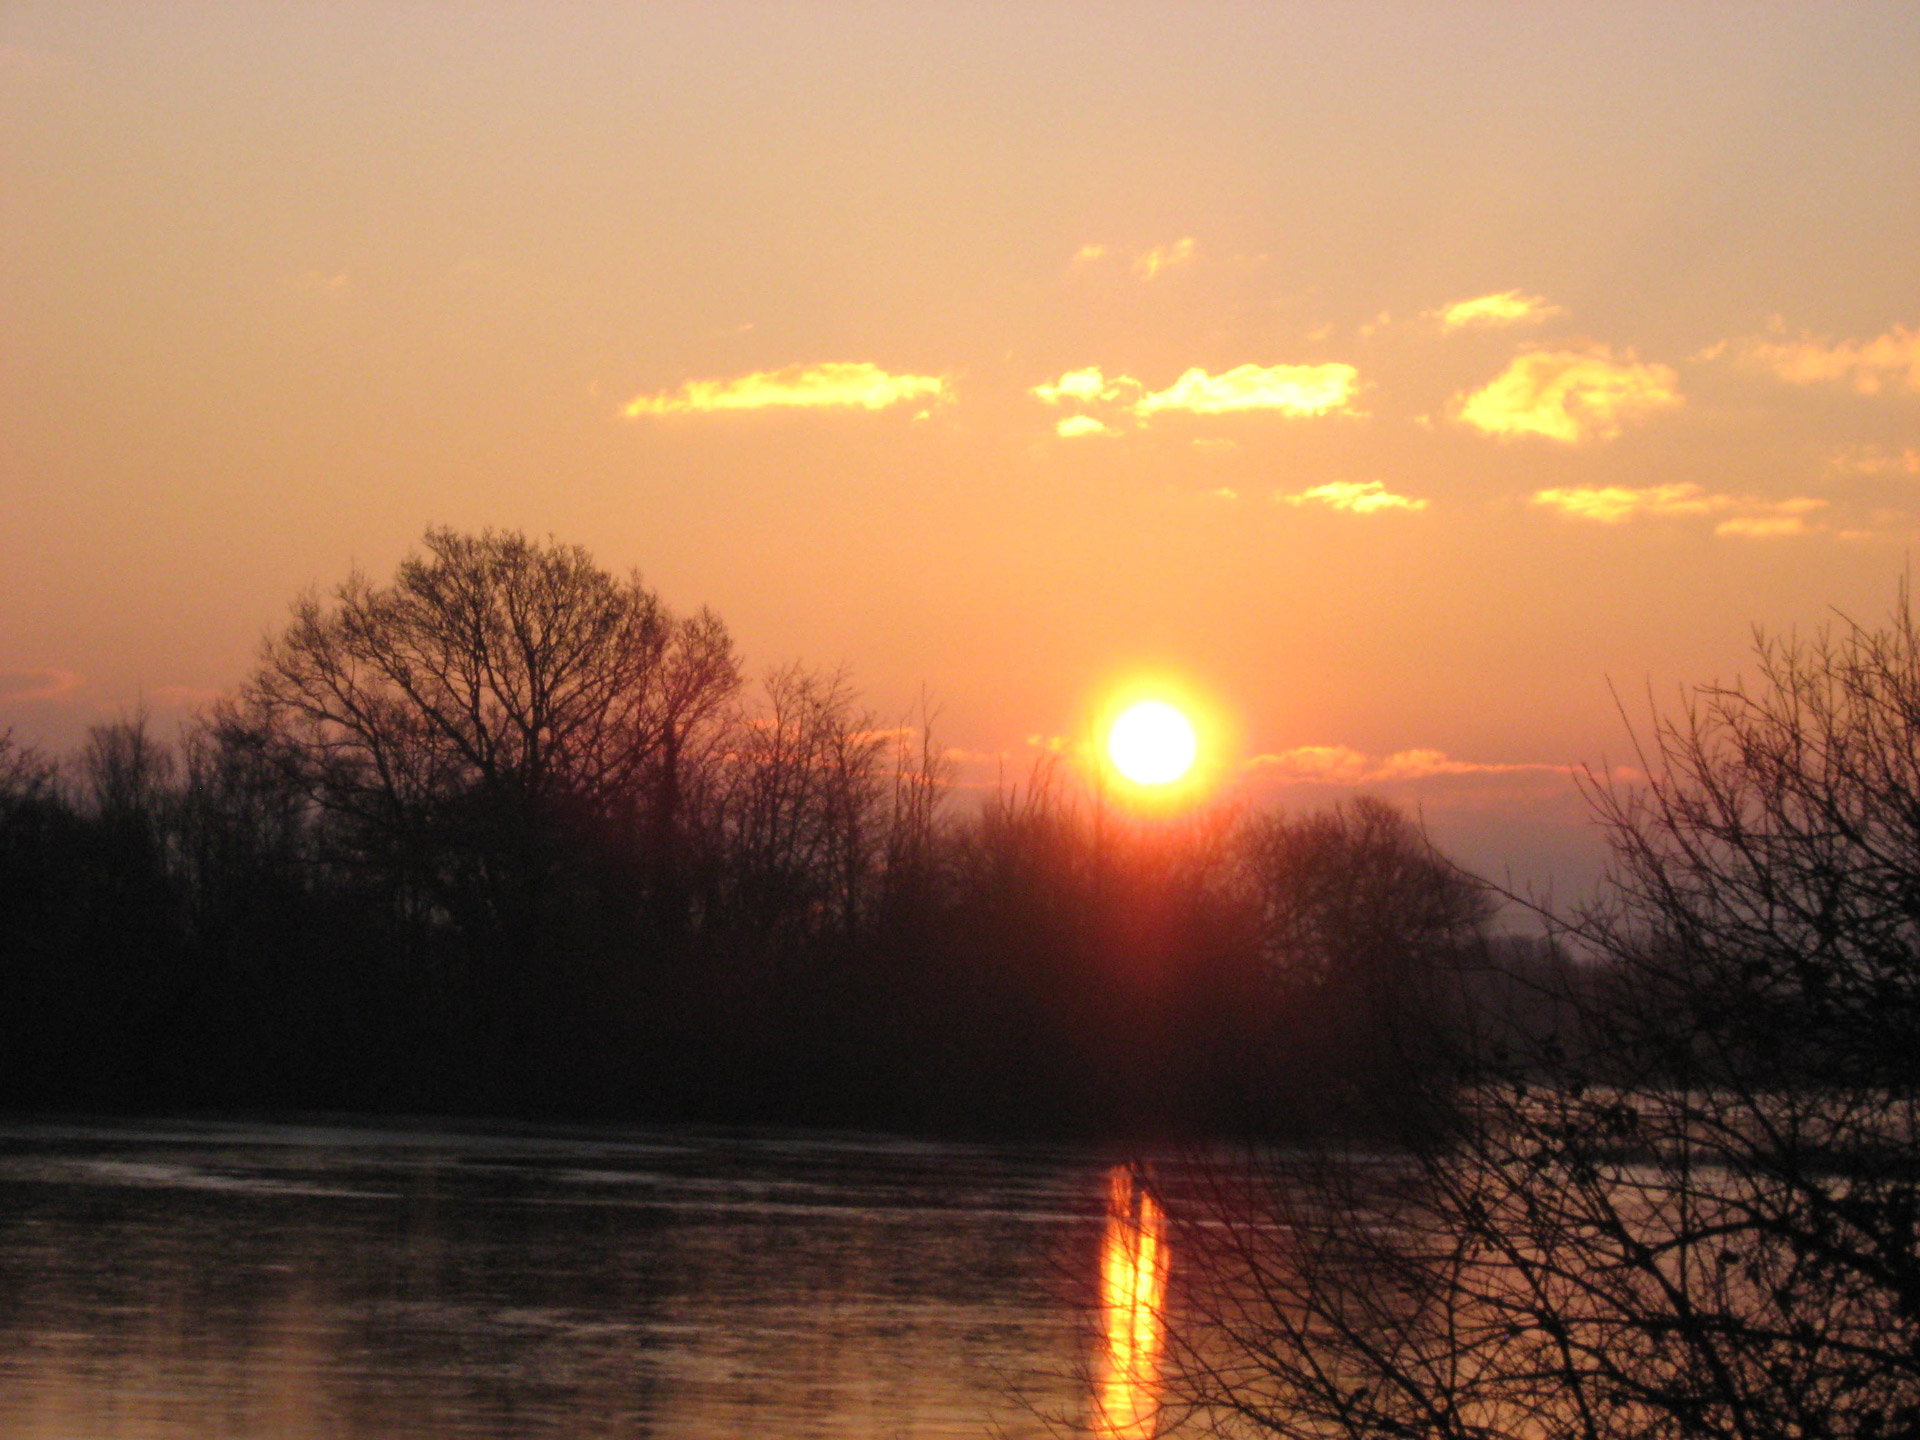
(498, 698)
(25, 774)
(1693, 1211)
(804, 803)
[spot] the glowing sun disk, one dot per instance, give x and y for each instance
(1151, 743)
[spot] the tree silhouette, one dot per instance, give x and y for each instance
(1693, 1207)
(468, 726)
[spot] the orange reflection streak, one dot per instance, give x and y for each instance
(1133, 1285)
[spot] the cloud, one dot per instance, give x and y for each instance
(1295, 389)
(1611, 504)
(319, 282)
(1762, 527)
(1145, 264)
(1074, 426)
(38, 684)
(1343, 765)
(182, 697)
(1367, 497)
(1376, 325)
(1873, 460)
(1868, 365)
(1755, 519)
(835, 385)
(1568, 395)
(1087, 386)
(1509, 307)
(1166, 257)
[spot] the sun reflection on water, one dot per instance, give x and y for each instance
(1133, 1284)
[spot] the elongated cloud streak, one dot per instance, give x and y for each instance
(1764, 527)
(1343, 765)
(1874, 460)
(854, 385)
(1292, 389)
(38, 684)
(1509, 307)
(1368, 497)
(1867, 365)
(1568, 395)
(1753, 518)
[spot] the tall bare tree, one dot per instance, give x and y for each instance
(498, 697)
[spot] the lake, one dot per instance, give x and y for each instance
(207, 1280)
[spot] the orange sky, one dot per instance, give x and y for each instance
(1397, 377)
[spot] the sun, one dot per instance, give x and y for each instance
(1152, 743)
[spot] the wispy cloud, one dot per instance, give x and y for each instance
(1148, 264)
(1873, 460)
(1568, 395)
(1359, 497)
(38, 684)
(1766, 527)
(1086, 386)
(1162, 258)
(1509, 307)
(318, 282)
(182, 697)
(1868, 365)
(1074, 426)
(854, 385)
(1343, 765)
(1293, 389)
(1747, 516)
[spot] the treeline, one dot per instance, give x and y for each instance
(508, 836)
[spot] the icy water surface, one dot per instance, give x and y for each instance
(213, 1280)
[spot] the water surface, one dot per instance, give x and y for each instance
(219, 1280)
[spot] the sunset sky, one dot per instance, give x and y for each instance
(1400, 380)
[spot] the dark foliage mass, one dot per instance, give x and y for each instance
(507, 835)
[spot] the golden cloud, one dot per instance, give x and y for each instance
(1568, 395)
(1074, 426)
(1295, 389)
(1366, 497)
(1509, 307)
(1087, 386)
(1611, 504)
(1343, 765)
(836, 385)
(1868, 365)
(1615, 504)
(1166, 257)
